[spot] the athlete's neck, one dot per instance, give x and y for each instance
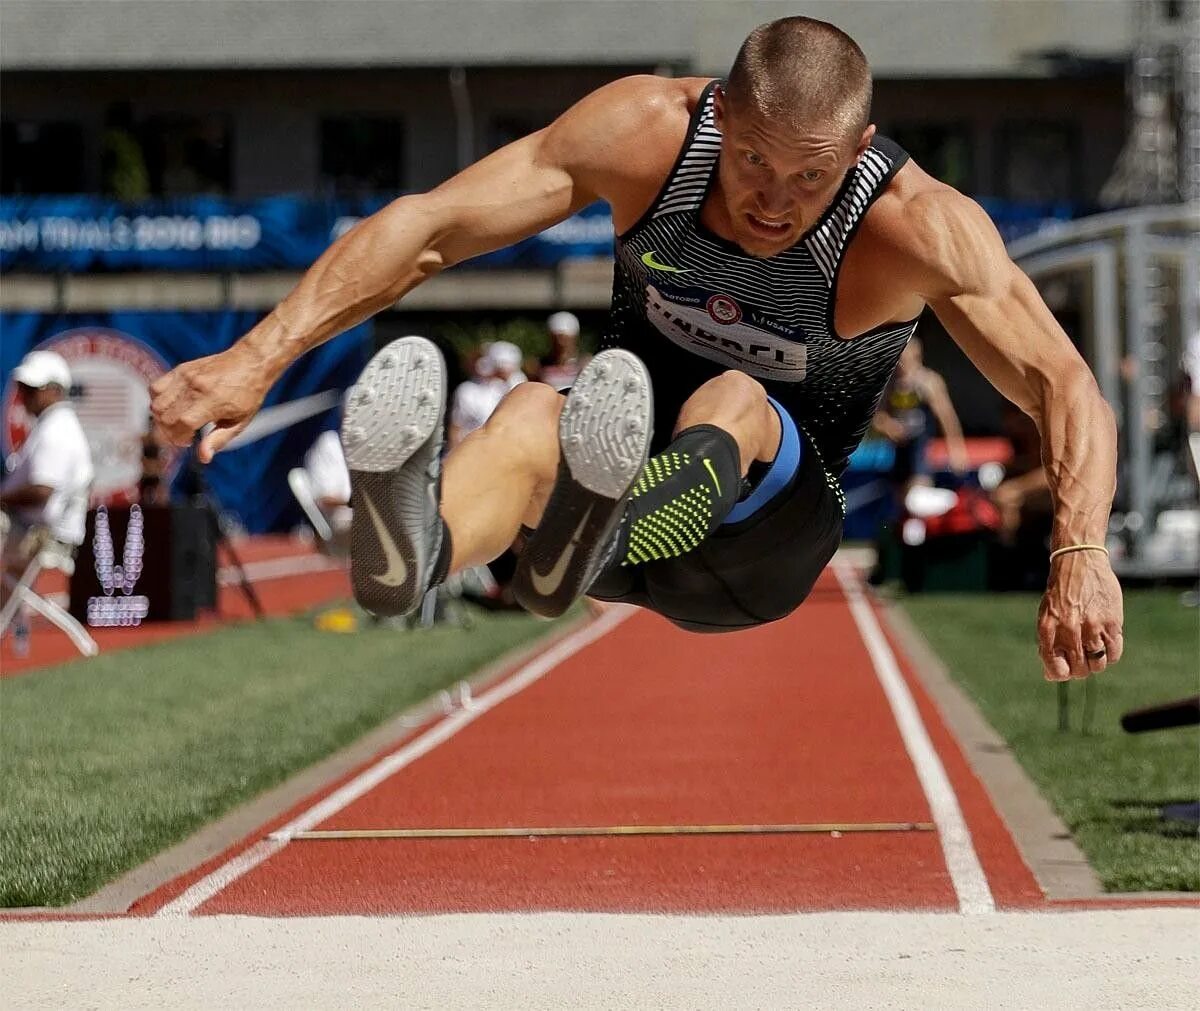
(714, 212)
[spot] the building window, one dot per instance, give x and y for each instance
(362, 155)
(945, 152)
(187, 155)
(1038, 162)
(41, 158)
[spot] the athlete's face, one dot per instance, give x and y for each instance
(775, 181)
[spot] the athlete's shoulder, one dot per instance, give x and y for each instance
(623, 138)
(647, 98)
(931, 233)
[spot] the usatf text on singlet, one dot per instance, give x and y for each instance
(692, 305)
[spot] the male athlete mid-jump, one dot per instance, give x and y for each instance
(773, 253)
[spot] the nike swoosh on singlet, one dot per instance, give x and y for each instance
(396, 571)
(547, 583)
(653, 264)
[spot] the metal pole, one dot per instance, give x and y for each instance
(1189, 292)
(464, 119)
(1138, 438)
(1106, 333)
(1189, 155)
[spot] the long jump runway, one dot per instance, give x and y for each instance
(637, 768)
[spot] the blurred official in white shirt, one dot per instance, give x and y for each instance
(497, 371)
(45, 494)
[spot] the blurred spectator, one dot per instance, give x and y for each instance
(506, 361)
(1023, 497)
(123, 162)
(1026, 508)
(330, 482)
(151, 489)
(560, 366)
(497, 370)
(915, 394)
(1191, 366)
(44, 498)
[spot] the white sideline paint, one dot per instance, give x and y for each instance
(966, 874)
(278, 568)
(225, 875)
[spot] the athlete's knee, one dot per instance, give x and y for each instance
(743, 387)
(526, 421)
(732, 395)
(738, 404)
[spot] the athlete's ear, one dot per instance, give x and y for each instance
(719, 100)
(865, 141)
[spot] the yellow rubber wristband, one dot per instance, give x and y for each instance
(1077, 547)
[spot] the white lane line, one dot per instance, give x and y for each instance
(368, 779)
(966, 874)
(277, 568)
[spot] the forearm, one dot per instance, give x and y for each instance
(364, 272)
(1079, 455)
(1026, 483)
(887, 426)
(27, 495)
(951, 429)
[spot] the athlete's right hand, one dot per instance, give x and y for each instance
(225, 389)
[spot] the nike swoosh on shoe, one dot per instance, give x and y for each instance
(547, 583)
(396, 571)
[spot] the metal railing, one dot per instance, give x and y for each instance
(1142, 272)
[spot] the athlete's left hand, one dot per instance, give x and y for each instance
(1081, 618)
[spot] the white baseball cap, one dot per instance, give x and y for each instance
(43, 368)
(563, 322)
(504, 355)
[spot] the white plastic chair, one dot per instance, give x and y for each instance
(301, 485)
(53, 556)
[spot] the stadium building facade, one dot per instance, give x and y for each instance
(1019, 102)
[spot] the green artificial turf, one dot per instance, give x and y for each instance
(105, 762)
(1107, 786)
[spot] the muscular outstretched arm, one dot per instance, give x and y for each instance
(994, 312)
(509, 195)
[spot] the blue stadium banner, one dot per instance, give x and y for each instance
(79, 234)
(115, 356)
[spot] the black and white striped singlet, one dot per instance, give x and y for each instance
(692, 305)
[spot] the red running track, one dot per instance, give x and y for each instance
(653, 726)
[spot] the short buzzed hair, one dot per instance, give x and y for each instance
(802, 71)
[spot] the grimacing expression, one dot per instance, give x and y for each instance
(775, 181)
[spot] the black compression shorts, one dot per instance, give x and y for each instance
(761, 563)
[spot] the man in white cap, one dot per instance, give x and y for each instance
(44, 496)
(560, 366)
(496, 372)
(506, 360)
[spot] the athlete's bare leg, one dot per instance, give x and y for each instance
(500, 475)
(739, 405)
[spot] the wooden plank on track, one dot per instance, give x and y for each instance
(609, 830)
